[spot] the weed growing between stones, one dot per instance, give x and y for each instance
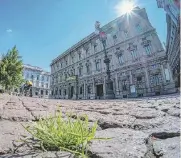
(66, 134)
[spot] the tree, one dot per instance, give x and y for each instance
(11, 70)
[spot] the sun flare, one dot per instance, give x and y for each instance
(125, 7)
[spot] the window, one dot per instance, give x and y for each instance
(46, 92)
(61, 65)
(81, 90)
(88, 90)
(95, 47)
(87, 51)
(124, 85)
(65, 76)
(41, 92)
(126, 33)
(120, 57)
(98, 65)
(148, 49)
(42, 85)
(65, 92)
(88, 69)
(139, 78)
(42, 78)
(80, 71)
(27, 75)
(60, 92)
(115, 38)
(66, 62)
(167, 75)
(72, 59)
(138, 28)
(46, 85)
(32, 77)
(37, 77)
(133, 54)
(79, 55)
(156, 80)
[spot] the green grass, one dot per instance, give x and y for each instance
(66, 134)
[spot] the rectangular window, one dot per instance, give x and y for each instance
(47, 85)
(81, 90)
(42, 78)
(98, 65)
(124, 85)
(126, 33)
(95, 47)
(133, 54)
(42, 85)
(121, 60)
(167, 75)
(156, 80)
(148, 49)
(88, 69)
(115, 38)
(80, 71)
(79, 56)
(88, 90)
(138, 28)
(37, 77)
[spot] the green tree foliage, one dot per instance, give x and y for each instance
(11, 69)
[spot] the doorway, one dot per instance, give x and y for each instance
(71, 92)
(99, 91)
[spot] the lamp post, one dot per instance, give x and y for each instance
(109, 83)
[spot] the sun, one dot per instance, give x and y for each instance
(125, 7)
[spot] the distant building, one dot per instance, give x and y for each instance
(40, 80)
(138, 63)
(172, 9)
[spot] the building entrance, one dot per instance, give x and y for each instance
(71, 92)
(99, 91)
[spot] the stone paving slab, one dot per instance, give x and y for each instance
(132, 121)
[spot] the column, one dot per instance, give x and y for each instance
(116, 82)
(93, 88)
(104, 87)
(131, 78)
(147, 79)
(84, 90)
(170, 72)
(163, 74)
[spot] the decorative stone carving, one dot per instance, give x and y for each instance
(132, 47)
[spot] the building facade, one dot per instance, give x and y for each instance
(172, 9)
(40, 80)
(138, 63)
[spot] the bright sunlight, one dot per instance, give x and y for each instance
(125, 7)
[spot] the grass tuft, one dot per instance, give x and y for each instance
(66, 134)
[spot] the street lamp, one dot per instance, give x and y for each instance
(109, 83)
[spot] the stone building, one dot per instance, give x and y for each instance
(172, 9)
(40, 80)
(138, 63)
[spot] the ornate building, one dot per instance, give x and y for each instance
(172, 9)
(138, 63)
(40, 80)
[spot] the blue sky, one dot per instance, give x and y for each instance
(43, 29)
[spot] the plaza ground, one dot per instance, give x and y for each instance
(139, 128)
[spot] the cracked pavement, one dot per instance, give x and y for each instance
(141, 128)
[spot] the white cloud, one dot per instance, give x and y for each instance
(9, 30)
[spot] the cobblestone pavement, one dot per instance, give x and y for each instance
(140, 128)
